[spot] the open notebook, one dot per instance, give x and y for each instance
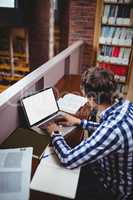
(51, 177)
(15, 172)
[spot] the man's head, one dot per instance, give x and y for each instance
(98, 83)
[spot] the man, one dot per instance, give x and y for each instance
(110, 146)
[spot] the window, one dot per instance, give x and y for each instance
(7, 3)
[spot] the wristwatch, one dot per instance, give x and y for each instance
(55, 133)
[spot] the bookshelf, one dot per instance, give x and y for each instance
(115, 39)
(14, 58)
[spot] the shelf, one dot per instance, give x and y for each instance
(116, 45)
(121, 82)
(5, 67)
(19, 55)
(5, 57)
(11, 78)
(5, 53)
(117, 77)
(118, 25)
(17, 68)
(14, 54)
(3, 87)
(115, 16)
(112, 63)
(117, 3)
(22, 69)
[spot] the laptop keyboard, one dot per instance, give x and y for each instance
(57, 118)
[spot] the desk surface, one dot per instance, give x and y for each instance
(69, 83)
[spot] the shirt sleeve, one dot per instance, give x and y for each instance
(102, 142)
(89, 124)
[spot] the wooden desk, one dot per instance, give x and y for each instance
(67, 84)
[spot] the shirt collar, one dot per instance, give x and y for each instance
(105, 113)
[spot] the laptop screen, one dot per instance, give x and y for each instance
(40, 106)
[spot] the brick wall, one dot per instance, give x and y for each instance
(38, 25)
(81, 26)
(64, 23)
(76, 22)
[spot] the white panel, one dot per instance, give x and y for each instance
(52, 76)
(74, 62)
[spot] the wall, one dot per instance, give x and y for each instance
(63, 23)
(81, 26)
(37, 19)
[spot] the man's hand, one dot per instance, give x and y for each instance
(51, 127)
(71, 120)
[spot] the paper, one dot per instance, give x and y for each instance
(15, 171)
(71, 103)
(51, 177)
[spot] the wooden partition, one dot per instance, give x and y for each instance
(48, 74)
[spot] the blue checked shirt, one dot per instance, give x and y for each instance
(111, 145)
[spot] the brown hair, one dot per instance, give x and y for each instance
(98, 83)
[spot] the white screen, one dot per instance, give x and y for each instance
(7, 3)
(40, 106)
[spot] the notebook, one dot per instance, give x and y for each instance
(40, 108)
(51, 177)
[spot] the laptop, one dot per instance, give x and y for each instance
(40, 108)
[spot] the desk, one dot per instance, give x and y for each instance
(67, 84)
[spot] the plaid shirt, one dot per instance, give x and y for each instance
(111, 145)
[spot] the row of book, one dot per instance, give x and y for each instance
(16, 61)
(118, 14)
(120, 75)
(118, 1)
(4, 74)
(116, 36)
(119, 71)
(117, 55)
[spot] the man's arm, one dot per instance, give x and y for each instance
(72, 120)
(102, 142)
(89, 124)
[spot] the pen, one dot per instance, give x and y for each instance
(47, 155)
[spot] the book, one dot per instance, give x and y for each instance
(51, 177)
(123, 36)
(116, 37)
(126, 55)
(106, 14)
(112, 14)
(15, 172)
(71, 103)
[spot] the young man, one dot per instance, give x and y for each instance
(110, 146)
